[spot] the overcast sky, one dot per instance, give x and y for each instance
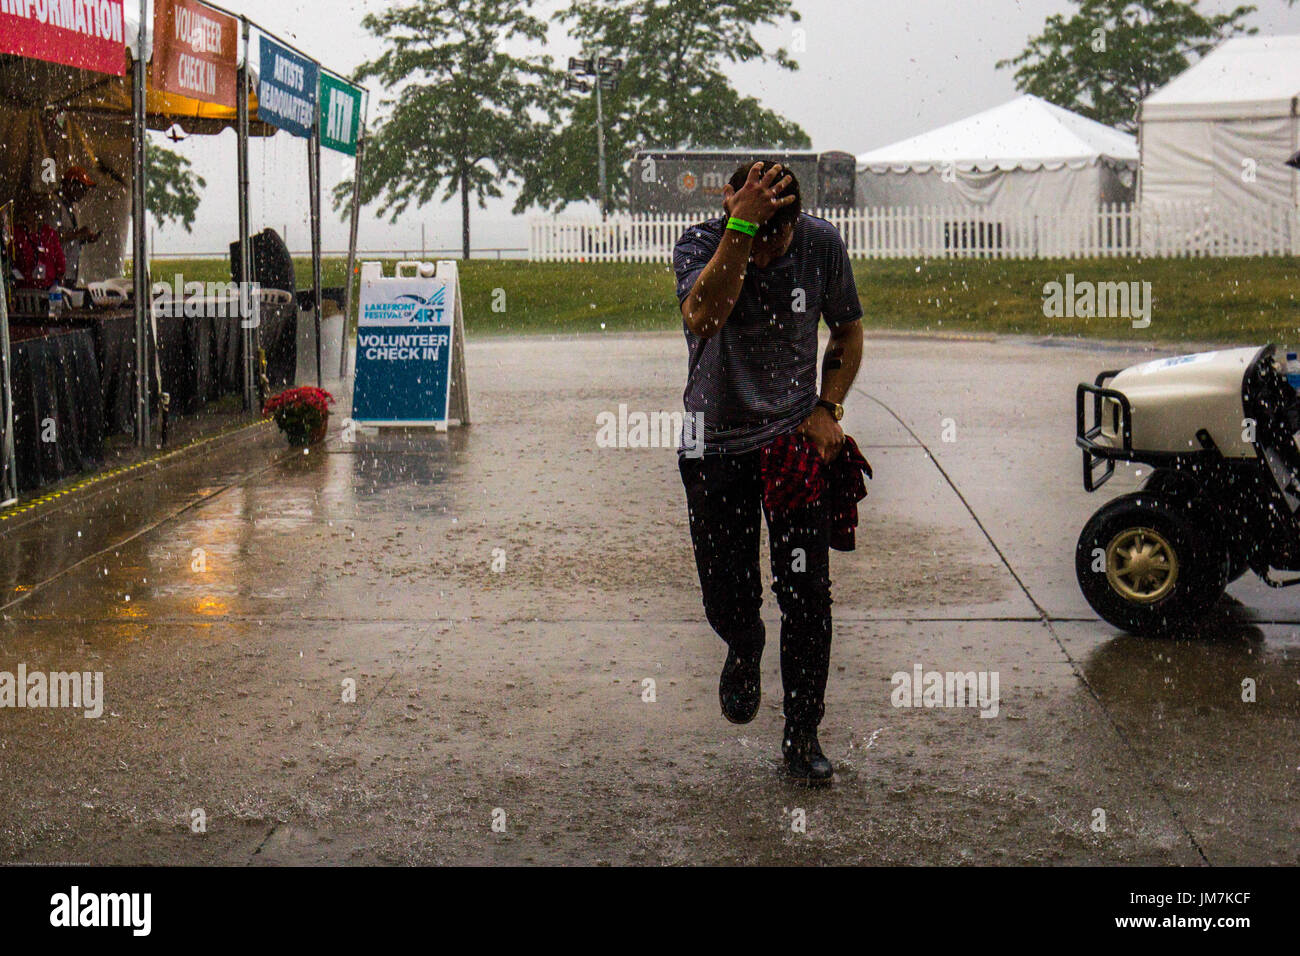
(875, 71)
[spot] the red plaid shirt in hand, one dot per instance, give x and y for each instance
(795, 476)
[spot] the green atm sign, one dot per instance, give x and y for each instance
(340, 114)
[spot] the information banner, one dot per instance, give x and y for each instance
(87, 34)
(405, 334)
(340, 114)
(286, 89)
(195, 52)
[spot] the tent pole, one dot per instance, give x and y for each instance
(313, 175)
(352, 248)
(139, 238)
(246, 321)
(8, 457)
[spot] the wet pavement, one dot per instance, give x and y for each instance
(562, 708)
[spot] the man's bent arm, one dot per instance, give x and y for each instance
(716, 290)
(841, 361)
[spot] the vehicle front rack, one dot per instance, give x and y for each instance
(1086, 432)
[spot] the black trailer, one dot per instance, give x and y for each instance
(691, 181)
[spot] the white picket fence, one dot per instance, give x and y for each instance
(913, 232)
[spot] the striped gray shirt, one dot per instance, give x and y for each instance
(757, 378)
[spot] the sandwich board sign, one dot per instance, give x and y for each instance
(410, 368)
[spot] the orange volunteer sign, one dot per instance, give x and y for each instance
(195, 51)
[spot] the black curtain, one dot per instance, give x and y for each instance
(56, 378)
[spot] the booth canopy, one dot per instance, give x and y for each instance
(1027, 133)
(1242, 78)
(35, 83)
(1025, 154)
(1221, 132)
(50, 111)
(56, 89)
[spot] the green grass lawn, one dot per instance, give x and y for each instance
(1211, 300)
(544, 297)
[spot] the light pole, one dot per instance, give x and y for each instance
(603, 73)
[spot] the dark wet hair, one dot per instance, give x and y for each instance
(784, 216)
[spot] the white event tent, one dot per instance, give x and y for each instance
(1220, 133)
(1024, 155)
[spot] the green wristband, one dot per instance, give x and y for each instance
(740, 225)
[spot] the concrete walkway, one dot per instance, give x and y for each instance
(231, 599)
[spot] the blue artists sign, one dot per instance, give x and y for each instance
(404, 349)
(286, 89)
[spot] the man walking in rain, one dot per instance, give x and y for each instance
(752, 286)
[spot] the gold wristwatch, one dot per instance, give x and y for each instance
(836, 409)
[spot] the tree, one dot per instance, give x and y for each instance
(672, 91)
(171, 187)
(466, 113)
(1108, 56)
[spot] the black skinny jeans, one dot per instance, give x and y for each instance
(724, 495)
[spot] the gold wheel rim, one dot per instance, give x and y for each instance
(1141, 565)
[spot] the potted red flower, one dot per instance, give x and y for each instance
(302, 413)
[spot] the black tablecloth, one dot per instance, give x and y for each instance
(79, 370)
(113, 332)
(201, 357)
(185, 354)
(278, 337)
(55, 377)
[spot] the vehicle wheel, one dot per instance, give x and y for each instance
(1166, 481)
(1171, 484)
(1148, 565)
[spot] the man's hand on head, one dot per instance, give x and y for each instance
(718, 286)
(760, 197)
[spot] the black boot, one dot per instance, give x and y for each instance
(740, 688)
(804, 759)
